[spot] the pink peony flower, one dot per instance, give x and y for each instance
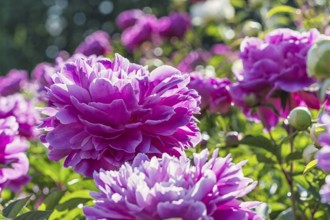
(102, 113)
(172, 187)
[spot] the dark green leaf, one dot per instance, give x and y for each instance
(71, 204)
(263, 159)
(285, 215)
(12, 210)
(51, 200)
(324, 89)
(34, 215)
(294, 156)
(284, 99)
(260, 142)
(72, 200)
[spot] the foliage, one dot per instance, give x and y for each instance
(288, 182)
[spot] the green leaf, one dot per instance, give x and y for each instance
(34, 215)
(51, 200)
(284, 100)
(277, 206)
(285, 215)
(294, 156)
(260, 142)
(264, 159)
(71, 204)
(309, 166)
(72, 200)
(281, 9)
(324, 89)
(12, 210)
(68, 204)
(302, 181)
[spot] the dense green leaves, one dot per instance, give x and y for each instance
(274, 159)
(51, 201)
(34, 215)
(15, 207)
(285, 215)
(260, 142)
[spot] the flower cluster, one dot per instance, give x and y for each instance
(13, 82)
(214, 92)
(97, 43)
(140, 27)
(174, 25)
(171, 187)
(13, 103)
(42, 73)
(194, 59)
(274, 69)
(42, 76)
(323, 155)
(26, 116)
(102, 113)
(143, 30)
(13, 161)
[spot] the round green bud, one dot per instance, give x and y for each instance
(251, 100)
(315, 132)
(309, 153)
(300, 118)
(318, 59)
(251, 28)
(232, 139)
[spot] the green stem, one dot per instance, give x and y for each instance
(291, 182)
(288, 175)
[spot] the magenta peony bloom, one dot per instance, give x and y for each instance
(265, 114)
(278, 62)
(13, 82)
(324, 137)
(325, 191)
(42, 75)
(14, 164)
(102, 113)
(192, 60)
(220, 49)
(273, 68)
(142, 31)
(213, 91)
(171, 187)
(97, 43)
(24, 112)
(175, 25)
(323, 155)
(323, 158)
(128, 18)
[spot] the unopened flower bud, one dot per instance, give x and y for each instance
(308, 153)
(232, 139)
(318, 59)
(315, 132)
(251, 28)
(300, 118)
(251, 100)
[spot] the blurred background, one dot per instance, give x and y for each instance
(35, 31)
